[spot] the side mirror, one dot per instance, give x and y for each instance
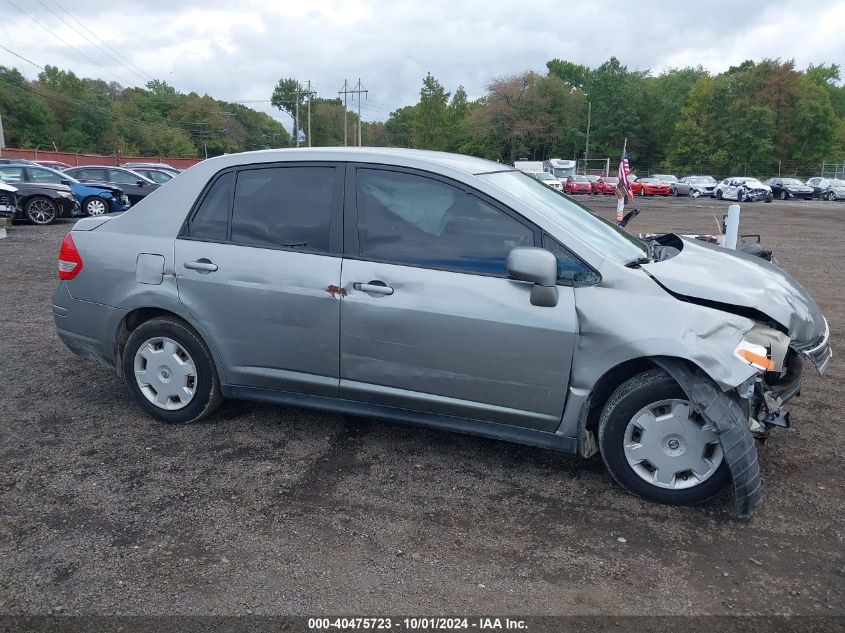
(538, 266)
(66, 182)
(141, 183)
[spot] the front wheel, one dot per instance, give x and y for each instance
(41, 210)
(94, 206)
(829, 196)
(769, 197)
(718, 194)
(782, 194)
(169, 371)
(656, 446)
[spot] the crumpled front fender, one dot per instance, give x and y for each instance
(725, 411)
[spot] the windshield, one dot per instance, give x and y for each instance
(600, 234)
(545, 176)
(792, 181)
(62, 175)
(580, 179)
(563, 172)
(837, 183)
(611, 181)
(702, 180)
(752, 182)
(665, 178)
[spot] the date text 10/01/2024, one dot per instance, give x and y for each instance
(417, 624)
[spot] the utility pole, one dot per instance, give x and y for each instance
(299, 94)
(344, 92)
(296, 117)
(359, 91)
(310, 94)
(2, 138)
(587, 146)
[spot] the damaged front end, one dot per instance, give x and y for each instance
(747, 413)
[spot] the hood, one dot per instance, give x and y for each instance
(45, 185)
(714, 274)
(115, 191)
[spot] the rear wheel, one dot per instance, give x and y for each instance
(95, 205)
(41, 210)
(829, 196)
(656, 446)
(170, 372)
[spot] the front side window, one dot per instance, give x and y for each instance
(122, 177)
(211, 220)
(45, 175)
(569, 268)
(601, 235)
(411, 219)
(284, 207)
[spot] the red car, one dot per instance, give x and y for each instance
(651, 187)
(53, 164)
(605, 185)
(577, 184)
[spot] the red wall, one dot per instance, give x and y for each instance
(92, 159)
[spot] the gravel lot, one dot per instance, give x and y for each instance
(268, 510)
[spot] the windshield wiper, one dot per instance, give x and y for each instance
(635, 263)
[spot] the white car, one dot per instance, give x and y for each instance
(743, 189)
(547, 179)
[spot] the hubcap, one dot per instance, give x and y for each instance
(669, 446)
(96, 207)
(165, 373)
(41, 211)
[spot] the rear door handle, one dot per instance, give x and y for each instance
(203, 265)
(374, 288)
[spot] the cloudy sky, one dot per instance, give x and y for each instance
(236, 50)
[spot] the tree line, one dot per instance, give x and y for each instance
(757, 118)
(59, 110)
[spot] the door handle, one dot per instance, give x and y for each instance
(203, 265)
(374, 288)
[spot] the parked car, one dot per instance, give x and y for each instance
(54, 164)
(44, 202)
(605, 185)
(667, 178)
(94, 199)
(593, 180)
(162, 166)
(136, 186)
(229, 284)
(547, 179)
(785, 188)
(650, 187)
(560, 168)
(8, 200)
(693, 186)
(160, 176)
(578, 184)
(827, 188)
(743, 189)
(15, 161)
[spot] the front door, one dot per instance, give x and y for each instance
(257, 265)
(430, 320)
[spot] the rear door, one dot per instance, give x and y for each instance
(258, 264)
(430, 320)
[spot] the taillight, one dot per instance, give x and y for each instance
(70, 263)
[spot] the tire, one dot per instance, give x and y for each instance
(41, 210)
(782, 194)
(617, 429)
(829, 196)
(769, 197)
(675, 192)
(192, 376)
(718, 194)
(95, 205)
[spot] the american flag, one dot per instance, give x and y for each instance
(624, 170)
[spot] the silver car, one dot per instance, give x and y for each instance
(449, 292)
(693, 186)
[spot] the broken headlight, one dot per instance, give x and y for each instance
(764, 348)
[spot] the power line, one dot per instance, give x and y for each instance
(90, 41)
(64, 41)
(106, 44)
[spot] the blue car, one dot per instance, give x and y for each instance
(94, 199)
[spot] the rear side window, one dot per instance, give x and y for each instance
(416, 220)
(284, 207)
(211, 220)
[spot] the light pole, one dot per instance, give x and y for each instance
(587, 145)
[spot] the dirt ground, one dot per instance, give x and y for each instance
(269, 510)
